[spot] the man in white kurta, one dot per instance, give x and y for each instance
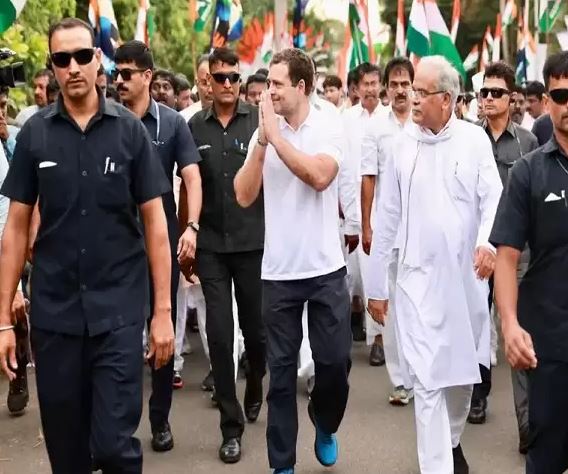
(441, 187)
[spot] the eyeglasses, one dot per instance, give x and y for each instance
(221, 77)
(125, 73)
(496, 92)
(82, 57)
(559, 96)
(421, 94)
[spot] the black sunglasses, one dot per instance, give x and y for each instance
(496, 92)
(81, 56)
(221, 77)
(559, 96)
(125, 73)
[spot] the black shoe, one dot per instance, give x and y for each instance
(357, 327)
(460, 464)
(253, 398)
(162, 439)
(208, 384)
(477, 411)
(230, 451)
(18, 394)
(377, 355)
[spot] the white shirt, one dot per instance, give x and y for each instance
(190, 111)
(301, 239)
(527, 122)
(25, 114)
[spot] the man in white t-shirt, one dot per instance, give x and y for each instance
(295, 159)
(203, 89)
(41, 80)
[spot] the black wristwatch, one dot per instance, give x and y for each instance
(193, 225)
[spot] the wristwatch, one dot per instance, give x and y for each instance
(193, 225)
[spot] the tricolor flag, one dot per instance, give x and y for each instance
(9, 11)
(526, 51)
(417, 34)
(199, 13)
(378, 34)
(103, 21)
(359, 29)
(144, 23)
(509, 13)
(400, 42)
(548, 14)
(485, 48)
(228, 22)
(496, 56)
(456, 13)
(470, 63)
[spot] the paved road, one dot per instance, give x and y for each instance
(374, 438)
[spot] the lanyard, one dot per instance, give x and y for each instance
(157, 141)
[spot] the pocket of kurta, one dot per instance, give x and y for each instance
(113, 191)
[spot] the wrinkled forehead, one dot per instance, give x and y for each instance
(426, 78)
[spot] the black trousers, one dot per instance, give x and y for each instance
(90, 399)
(482, 390)
(217, 271)
(329, 325)
(160, 401)
(548, 418)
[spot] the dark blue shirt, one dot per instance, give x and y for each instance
(90, 268)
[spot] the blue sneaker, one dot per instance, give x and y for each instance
(325, 445)
(286, 470)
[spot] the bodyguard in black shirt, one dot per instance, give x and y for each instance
(229, 248)
(175, 146)
(534, 209)
(92, 165)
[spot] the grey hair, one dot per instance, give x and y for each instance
(448, 77)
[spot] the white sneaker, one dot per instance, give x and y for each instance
(401, 396)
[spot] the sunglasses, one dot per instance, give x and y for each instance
(81, 56)
(496, 92)
(559, 96)
(125, 73)
(221, 77)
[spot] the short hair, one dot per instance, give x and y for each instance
(44, 73)
(167, 76)
(223, 55)
(136, 52)
(502, 70)
(398, 63)
(382, 93)
(204, 58)
(183, 82)
(448, 77)
(262, 71)
(68, 24)
(254, 79)
(112, 93)
(556, 66)
(300, 66)
(468, 97)
(101, 71)
(4, 90)
(242, 89)
(332, 81)
(352, 77)
(520, 90)
(367, 68)
(52, 87)
(535, 88)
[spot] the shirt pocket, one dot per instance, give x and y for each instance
(113, 187)
(552, 219)
(54, 187)
(463, 181)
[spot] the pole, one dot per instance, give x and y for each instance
(280, 23)
(505, 35)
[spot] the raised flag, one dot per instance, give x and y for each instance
(470, 63)
(526, 51)
(103, 21)
(200, 13)
(549, 10)
(9, 11)
(358, 29)
(496, 54)
(485, 58)
(509, 13)
(228, 22)
(378, 32)
(417, 34)
(400, 42)
(298, 27)
(456, 13)
(144, 23)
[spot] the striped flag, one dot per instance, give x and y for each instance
(400, 42)
(509, 13)
(199, 13)
(485, 58)
(358, 29)
(228, 22)
(456, 13)
(548, 14)
(144, 23)
(470, 63)
(378, 34)
(417, 34)
(526, 51)
(103, 21)
(496, 55)
(9, 11)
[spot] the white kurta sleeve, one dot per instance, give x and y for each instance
(370, 150)
(387, 221)
(489, 190)
(348, 183)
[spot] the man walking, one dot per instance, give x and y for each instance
(295, 158)
(175, 146)
(92, 166)
(441, 309)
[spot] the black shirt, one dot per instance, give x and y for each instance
(175, 145)
(226, 226)
(542, 129)
(534, 209)
(90, 268)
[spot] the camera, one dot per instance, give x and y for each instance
(11, 75)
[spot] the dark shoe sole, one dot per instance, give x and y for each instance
(164, 448)
(476, 421)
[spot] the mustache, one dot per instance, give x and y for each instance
(121, 87)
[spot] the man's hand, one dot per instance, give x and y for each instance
(18, 307)
(186, 245)
(367, 240)
(8, 363)
(351, 241)
(187, 269)
(269, 118)
(261, 134)
(519, 347)
(161, 339)
(378, 310)
(484, 263)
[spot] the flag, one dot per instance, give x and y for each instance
(103, 21)
(144, 23)
(228, 22)
(400, 42)
(200, 12)
(456, 13)
(358, 36)
(509, 13)
(496, 56)
(548, 14)
(485, 58)
(377, 31)
(470, 63)
(417, 34)
(343, 61)
(526, 50)
(9, 11)
(255, 48)
(298, 27)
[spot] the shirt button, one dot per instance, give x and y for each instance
(225, 174)
(84, 173)
(225, 133)
(83, 287)
(224, 153)
(83, 251)
(83, 212)
(83, 137)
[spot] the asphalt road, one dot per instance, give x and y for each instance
(374, 437)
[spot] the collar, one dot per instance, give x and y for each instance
(105, 107)
(511, 127)
(310, 120)
(551, 147)
(152, 109)
(241, 109)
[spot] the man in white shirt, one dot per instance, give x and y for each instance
(295, 159)
(203, 89)
(41, 80)
(441, 188)
(377, 143)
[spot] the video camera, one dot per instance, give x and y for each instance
(12, 75)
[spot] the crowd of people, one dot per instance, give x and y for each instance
(294, 214)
